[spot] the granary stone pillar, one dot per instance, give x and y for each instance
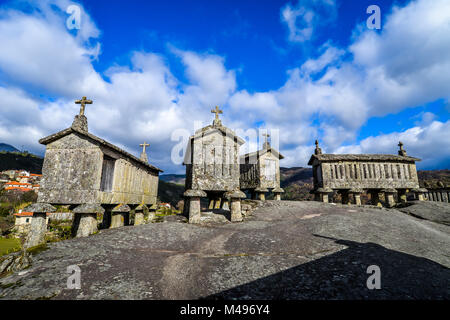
(139, 214)
(389, 196)
(36, 236)
(211, 203)
(402, 195)
(420, 193)
(356, 196)
(321, 194)
(261, 193)
(277, 192)
(150, 213)
(217, 202)
(193, 204)
(85, 219)
(119, 216)
(235, 204)
(375, 197)
(444, 196)
(345, 196)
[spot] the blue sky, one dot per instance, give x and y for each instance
(310, 69)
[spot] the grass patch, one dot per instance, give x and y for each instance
(9, 245)
(37, 249)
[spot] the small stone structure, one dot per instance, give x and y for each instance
(94, 176)
(260, 171)
(212, 169)
(351, 174)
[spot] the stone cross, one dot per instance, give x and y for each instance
(266, 143)
(401, 152)
(143, 145)
(217, 111)
(83, 103)
(318, 150)
(144, 154)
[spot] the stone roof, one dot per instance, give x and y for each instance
(102, 142)
(261, 152)
(211, 128)
(360, 157)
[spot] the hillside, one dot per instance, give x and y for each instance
(173, 178)
(20, 160)
(7, 147)
(170, 192)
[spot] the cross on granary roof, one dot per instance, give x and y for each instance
(217, 111)
(83, 103)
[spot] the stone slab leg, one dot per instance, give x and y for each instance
(217, 203)
(38, 229)
(84, 224)
(138, 218)
(402, 196)
(194, 210)
(345, 197)
(211, 204)
(357, 198)
(236, 214)
(390, 201)
(278, 196)
(420, 197)
(444, 197)
(261, 196)
(117, 220)
(324, 197)
(375, 199)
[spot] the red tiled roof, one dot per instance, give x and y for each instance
(15, 183)
(27, 214)
(18, 188)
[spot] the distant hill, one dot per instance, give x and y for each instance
(173, 178)
(170, 192)
(7, 147)
(19, 161)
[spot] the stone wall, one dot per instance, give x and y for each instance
(366, 175)
(72, 174)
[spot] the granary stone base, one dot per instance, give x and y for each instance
(87, 224)
(389, 197)
(139, 214)
(375, 198)
(193, 204)
(194, 210)
(117, 220)
(236, 214)
(138, 218)
(277, 192)
(235, 204)
(85, 219)
(38, 229)
(402, 195)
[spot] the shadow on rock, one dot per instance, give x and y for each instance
(343, 275)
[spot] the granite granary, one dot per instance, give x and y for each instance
(352, 174)
(94, 176)
(212, 169)
(260, 172)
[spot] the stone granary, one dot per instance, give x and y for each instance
(212, 169)
(260, 171)
(355, 173)
(94, 176)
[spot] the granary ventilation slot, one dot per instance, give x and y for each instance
(107, 174)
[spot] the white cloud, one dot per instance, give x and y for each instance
(329, 97)
(431, 143)
(306, 16)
